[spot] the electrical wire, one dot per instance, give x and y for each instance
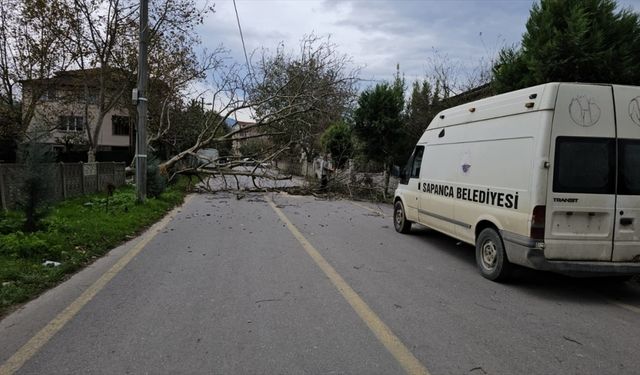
(246, 58)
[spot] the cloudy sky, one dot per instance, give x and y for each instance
(377, 34)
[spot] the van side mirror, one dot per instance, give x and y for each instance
(395, 171)
(404, 176)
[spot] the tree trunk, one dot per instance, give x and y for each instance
(93, 142)
(386, 179)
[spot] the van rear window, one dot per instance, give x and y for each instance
(584, 165)
(629, 164)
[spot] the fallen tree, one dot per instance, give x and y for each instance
(281, 93)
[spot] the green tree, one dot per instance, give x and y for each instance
(338, 141)
(424, 104)
(573, 40)
(156, 182)
(37, 185)
(379, 125)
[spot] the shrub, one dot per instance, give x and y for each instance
(156, 182)
(37, 183)
(21, 245)
(337, 140)
(10, 222)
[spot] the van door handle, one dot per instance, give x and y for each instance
(626, 221)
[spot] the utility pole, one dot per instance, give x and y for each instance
(140, 99)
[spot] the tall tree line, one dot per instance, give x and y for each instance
(575, 41)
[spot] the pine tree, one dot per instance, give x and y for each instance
(423, 105)
(379, 123)
(573, 40)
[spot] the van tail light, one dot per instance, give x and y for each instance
(537, 222)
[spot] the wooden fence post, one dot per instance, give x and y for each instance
(64, 181)
(97, 165)
(82, 177)
(2, 197)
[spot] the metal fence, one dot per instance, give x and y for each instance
(69, 180)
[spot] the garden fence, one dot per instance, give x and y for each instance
(68, 179)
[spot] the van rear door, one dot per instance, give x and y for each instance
(627, 221)
(580, 209)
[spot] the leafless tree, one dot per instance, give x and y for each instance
(292, 98)
(178, 69)
(97, 39)
(314, 87)
(454, 77)
(104, 46)
(31, 49)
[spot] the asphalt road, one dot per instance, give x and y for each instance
(306, 286)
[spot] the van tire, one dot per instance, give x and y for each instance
(400, 221)
(490, 256)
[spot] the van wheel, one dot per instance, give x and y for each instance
(491, 257)
(400, 221)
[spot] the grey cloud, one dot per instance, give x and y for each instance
(379, 34)
(461, 31)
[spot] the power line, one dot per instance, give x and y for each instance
(246, 58)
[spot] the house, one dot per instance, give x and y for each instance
(243, 137)
(62, 108)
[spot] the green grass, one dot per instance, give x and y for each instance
(74, 233)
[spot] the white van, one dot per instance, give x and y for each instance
(546, 177)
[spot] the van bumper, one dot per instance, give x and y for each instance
(526, 252)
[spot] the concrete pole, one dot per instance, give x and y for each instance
(143, 76)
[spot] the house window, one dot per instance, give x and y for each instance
(120, 125)
(49, 94)
(71, 123)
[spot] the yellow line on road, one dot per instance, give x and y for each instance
(405, 358)
(32, 346)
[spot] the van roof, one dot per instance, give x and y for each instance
(535, 98)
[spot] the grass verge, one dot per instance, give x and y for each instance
(74, 233)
